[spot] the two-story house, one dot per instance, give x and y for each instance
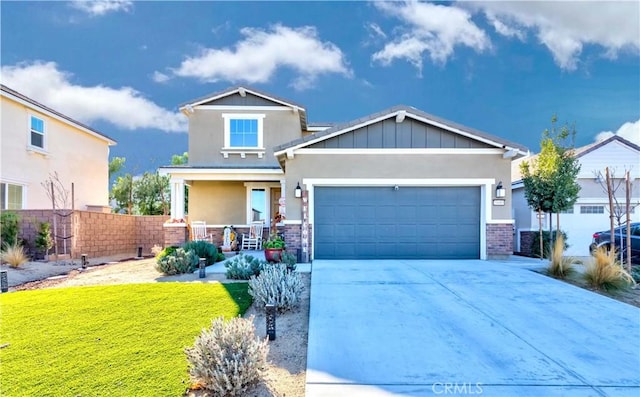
(38, 142)
(396, 184)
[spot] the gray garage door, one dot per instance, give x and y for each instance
(408, 223)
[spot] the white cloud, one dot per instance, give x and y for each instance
(376, 30)
(101, 7)
(629, 131)
(434, 29)
(123, 107)
(565, 27)
(160, 77)
(256, 58)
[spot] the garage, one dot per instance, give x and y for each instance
(396, 222)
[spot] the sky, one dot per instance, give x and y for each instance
(506, 68)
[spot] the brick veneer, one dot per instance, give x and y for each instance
(95, 233)
(499, 240)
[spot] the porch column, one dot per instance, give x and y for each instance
(177, 198)
(283, 193)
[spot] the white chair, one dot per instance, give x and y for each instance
(199, 232)
(253, 240)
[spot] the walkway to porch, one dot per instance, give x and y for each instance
(218, 267)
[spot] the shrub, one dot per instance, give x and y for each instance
(178, 262)
(44, 241)
(243, 267)
(274, 242)
(605, 272)
(635, 273)
(560, 266)
(14, 255)
(278, 286)
(203, 249)
(535, 244)
(8, 228)
(289, 260)
(167, 251)
(156, 250)
(227, 358)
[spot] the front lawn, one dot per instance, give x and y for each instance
(119, 340)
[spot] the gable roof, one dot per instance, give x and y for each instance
(25, 100)
(401, 111)
(516, 176)
(243, 91)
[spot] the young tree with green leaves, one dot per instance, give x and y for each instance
(122, 193)
(151, 194)
(550, 183)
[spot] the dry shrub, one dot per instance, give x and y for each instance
(560, 266)
(228, 358)
(14, 255)
(605, 272)
(278, 286)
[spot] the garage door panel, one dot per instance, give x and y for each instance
(411, 222)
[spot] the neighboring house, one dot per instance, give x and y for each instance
(396, 184)
(591, 212)
(37, 142)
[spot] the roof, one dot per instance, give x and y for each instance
(238, 89)
(25, 99)
(409, 112)
(578, 152)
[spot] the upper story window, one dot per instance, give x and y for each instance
(36, 132)
(243, 131)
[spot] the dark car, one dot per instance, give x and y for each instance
(604, 239)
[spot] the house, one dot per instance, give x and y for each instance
(396, 184)
(38, 142)
(591, 211)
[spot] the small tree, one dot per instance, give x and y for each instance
(122, 193)
(151, 194)
(44, 241)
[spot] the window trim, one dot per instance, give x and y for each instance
(30, 131)
(243, 116)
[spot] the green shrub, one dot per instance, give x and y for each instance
(289, 260)
(178, 262)
(44, 241)
(8, 228)
(276, 285)
(535, 244)
(203, 249)
(167, 251)
(228, 358)
(635, 273)
(242, 267)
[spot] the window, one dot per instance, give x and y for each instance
(592, 209)
(37, 132)
(567, 211)
(243, 131)
(11, 196)
(258, 205)
(260, 201)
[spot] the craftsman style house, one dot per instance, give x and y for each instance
(396, 184)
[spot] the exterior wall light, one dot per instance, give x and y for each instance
(298, 191)
(500, 191)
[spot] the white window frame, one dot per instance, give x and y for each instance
(266, 186)
(243, 116)
(6, 192)
(44, 133)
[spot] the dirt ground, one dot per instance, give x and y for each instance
(286, 374)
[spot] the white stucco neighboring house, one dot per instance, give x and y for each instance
(591, 212)
(36, 142)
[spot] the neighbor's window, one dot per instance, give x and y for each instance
(37, 132)
(567, 211)
(592, 209)
(10, 196)
(243, 130)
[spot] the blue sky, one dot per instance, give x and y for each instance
(502, 67)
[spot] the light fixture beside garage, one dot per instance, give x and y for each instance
(298, 191)
(500, 191)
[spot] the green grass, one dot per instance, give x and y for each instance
(120, 340)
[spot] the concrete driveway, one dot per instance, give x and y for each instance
(444, 328)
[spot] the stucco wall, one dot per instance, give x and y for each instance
(441, 166)
(75, 155)
(218, 203)
(206, 136)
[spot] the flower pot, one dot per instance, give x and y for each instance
(273, 254)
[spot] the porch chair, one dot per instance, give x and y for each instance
(199, 232)
(253, 240)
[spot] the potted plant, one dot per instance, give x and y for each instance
(273, 248)
(44, 241)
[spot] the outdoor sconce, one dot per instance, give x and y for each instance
(500, 191)
(298, 191)
(270, 309)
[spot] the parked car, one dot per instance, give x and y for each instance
(604, 239)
